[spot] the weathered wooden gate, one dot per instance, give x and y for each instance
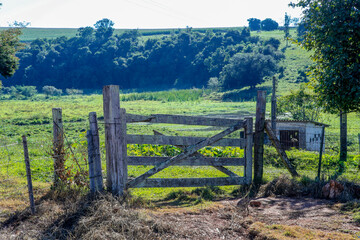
(116, 141)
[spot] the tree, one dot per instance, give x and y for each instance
(19, 24)
(9, 45)
(254, 24)
(268, 24)
(104, 28)
(287, 28)
(333, 34)
(301, 104)
(247, 69)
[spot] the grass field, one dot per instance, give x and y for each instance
(33, 119)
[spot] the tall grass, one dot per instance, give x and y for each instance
(166, 96)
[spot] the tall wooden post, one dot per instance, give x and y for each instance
(58, 144)
(95, 173)
(28, 175)
(248, 150)
(321, 150)
(259, 137)
(115, 140)
(273, 105)
(343, 138)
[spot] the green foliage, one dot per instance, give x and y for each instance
(97, 57)
(166, 96)
(273, 42)
(287, 28)
(332, 33)
(247, 69)
(51, 91)
(19, 92)
(301, 104)
(254, 24)
(73, 91)
(9, 45)
(269, 24)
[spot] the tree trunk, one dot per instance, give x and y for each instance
(343, 140)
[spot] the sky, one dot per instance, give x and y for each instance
(142, 14)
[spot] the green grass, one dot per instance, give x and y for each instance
(33, 118)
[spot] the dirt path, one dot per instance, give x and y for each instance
(305, 212)
(225, 220)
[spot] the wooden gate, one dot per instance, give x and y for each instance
(116, 141)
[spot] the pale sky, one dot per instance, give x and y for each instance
(143, 13)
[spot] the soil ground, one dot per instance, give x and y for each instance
(226, 221)
(218, 220)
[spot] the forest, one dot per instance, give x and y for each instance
(183, 59)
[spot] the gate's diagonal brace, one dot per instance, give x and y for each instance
(200, 156)
(279, 149)
(187, 152)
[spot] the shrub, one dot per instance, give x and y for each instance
(73, 91)
(51, 91)
(19, 92)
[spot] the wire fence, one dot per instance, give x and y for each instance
(304, 153)
(13, 185)
(13, 178)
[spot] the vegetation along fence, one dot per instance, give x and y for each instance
(117, 161)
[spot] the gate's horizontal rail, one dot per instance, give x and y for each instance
(190, 182)
(180, 119)
(190, 161)
(181, 141)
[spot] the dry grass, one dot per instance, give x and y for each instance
(82, 217)
(261, 231)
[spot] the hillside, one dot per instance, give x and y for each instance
(157, 60)
(31, 34)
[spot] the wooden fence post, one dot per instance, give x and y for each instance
(115, 140)
(95, 173)
(273, 106)
(248, 150)
(28, 175)
(321, 150)
(259, 137)
(58, 144)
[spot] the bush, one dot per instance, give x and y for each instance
(51, 91)
(214, 84)
(19, 92)
(73, 91)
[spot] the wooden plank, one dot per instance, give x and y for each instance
(259, 137)
(188, 152)
(115, 140)
(58, 144)
(281, 152)
(180, 140)
(180, 119)
(95, 173)
(248, 152)
(189, 161)
(28, 175)
(190, 182)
